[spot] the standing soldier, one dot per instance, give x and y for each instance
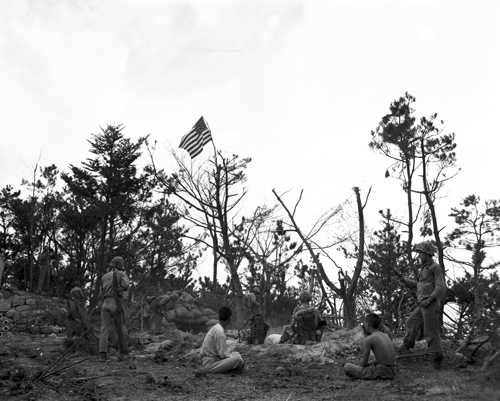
(430, 287)
(113, 284)
(252, 303)
(77, 295)
(45, 267)
(2, 265)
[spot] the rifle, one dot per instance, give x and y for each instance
(116, 293)
(400, 278)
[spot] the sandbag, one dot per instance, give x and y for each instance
(195, 313)
(182, 313)
(186, 299)
(208, 312)
(174, 297)
(201, 320)
(164, 299)
(171, 315)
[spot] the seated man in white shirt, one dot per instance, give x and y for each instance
(216, 358)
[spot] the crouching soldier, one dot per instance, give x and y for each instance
(300, 331)
(383, 349)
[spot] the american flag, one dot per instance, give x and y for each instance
(195, 139)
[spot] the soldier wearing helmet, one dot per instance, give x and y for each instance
(292, 331)
(430, 288)
(252, 304)
(305, 297)
(113, 284)
(426, 247)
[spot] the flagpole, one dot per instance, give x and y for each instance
(214, 252)
(213, 142)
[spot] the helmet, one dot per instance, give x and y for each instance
(117, 262)
(305, 296)
(426, 247)
(256, 289)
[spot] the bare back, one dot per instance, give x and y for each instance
(382, 347)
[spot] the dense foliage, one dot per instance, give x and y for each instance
(70, 224)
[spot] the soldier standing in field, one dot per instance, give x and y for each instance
(430, 286)
(253, 305)
(2, 265)
(113, 284)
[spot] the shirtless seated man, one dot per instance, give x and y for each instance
(381, 345)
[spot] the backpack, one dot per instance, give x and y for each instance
(307, 326)
(258, 330)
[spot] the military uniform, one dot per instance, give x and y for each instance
(430, 286)
(112, 311)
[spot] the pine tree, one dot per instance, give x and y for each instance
(384, 254)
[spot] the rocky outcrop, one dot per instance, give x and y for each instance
(25, 312)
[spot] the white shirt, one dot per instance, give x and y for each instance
(214, 343)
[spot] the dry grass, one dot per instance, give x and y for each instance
(272, 372)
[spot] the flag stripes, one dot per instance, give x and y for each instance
(195, 139)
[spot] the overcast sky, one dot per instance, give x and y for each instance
(295, 85)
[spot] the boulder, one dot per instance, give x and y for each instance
(12, 314)
(24, 310)
(19, 300)
(152, 348)
(5, 303)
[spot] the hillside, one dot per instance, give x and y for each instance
(271, 372)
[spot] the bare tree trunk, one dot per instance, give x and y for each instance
(325, 295)
(348, 296)
(100, 264)
(361, 247)
(410, 215)
(32, 238)
(350, 313)
(437, 238)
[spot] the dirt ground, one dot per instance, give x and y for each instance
(271, 372)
